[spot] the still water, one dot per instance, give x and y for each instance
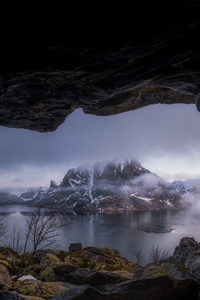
(126, 232)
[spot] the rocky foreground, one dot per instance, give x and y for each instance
(101, 273)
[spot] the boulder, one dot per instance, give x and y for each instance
(185, 262)
(35, 289)
(4, 275)
(83, 276)
(185, 244)
(75, 247)
(102, 259)
(48, 260)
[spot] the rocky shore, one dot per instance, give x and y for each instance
(101, 273)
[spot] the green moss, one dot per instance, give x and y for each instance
(61, 254)
(48, 274)
(27, 287)
(156, 271)
(100, 259)
(50, 259)
(8, 251)
(53, 288)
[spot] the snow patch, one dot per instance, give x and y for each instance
(142, 198)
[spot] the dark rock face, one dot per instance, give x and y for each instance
(185, 262)
(81, 276)
(110, 187)
(93, 60)
(161, 288)
(75, 247)
(11, 296)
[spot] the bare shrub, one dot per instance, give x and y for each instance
(41, 232)
(139, 255)
(3, 228)
(15, 238)
(156, 254)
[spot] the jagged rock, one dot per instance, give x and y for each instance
(150, 57)
(75, 247)
(185, 262)
(185, 243)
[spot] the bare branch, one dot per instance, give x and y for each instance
(156, 254)
(139, 257)
(41, 232)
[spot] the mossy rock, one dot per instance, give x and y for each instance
(37, 290)
(49, 260)
(53, 288)
(27, 287)
(157, 271)
(6, 251)
(47, 274)
(61, 254)
(151, 272)
(8, 265)
(100, 259)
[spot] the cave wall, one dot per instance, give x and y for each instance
(105, 60)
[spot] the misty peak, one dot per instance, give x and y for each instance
(110, 186)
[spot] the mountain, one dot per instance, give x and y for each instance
(30, 194)
(8, 198)
(110, 186)
(189, 189)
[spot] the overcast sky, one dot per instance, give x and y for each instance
(164, 138)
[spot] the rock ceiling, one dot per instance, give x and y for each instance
(101, 61)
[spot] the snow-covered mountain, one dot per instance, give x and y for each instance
(189, 189)
(111, 186)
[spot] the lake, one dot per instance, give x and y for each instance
(126, 232)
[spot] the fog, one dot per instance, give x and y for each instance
(164, 138)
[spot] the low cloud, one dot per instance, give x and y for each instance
(159, 136)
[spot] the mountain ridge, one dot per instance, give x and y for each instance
(189, 189)
(109, 186)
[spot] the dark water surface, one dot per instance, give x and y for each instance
(126, 232)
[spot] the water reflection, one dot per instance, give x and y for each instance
(126, 232)
(154, 221)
